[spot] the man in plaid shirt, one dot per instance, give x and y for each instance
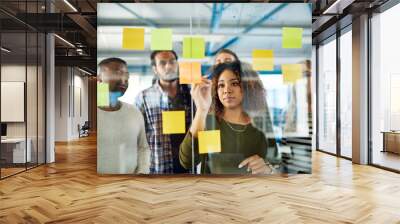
(165, 94)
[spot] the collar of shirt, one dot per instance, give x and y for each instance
(182, 90)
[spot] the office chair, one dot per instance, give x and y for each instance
(84, 130)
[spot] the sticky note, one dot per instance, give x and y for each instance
(161, 39)
(173, 122)
(292, 72)
(187, 47)
(263, 59)
(193, 47)
(185, 72)
(103, 95)
(133, 38)
(292, 37)
(209, 141)
(189, 72)
(196, 72)
(198, 47)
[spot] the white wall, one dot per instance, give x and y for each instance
(70, 83)
(16, 73)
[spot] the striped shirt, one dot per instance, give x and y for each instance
(151, 102)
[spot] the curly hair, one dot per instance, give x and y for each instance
(254, 97)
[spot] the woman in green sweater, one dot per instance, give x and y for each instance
(243, 147)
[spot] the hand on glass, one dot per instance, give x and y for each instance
(256, 165)
(201, 94)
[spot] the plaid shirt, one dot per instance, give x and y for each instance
(151, 102)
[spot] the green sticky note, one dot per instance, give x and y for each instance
(103, 95)
(292, 37)
(161, 39)
(187, 47)
(198, 47)
(193, 47)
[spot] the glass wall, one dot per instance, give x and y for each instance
(272, 105)
(327, 96)
(13, 87)
(329, 131)
(385, 89)
(22, 89)
(346, 93)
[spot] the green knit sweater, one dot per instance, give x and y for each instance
(238, 142)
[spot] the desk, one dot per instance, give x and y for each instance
(391, 141)
(15, 148)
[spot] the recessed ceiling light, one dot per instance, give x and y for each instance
(337, 7)
(86, 72)
(64, 40)
(70, 5)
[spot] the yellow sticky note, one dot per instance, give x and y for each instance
(263, 59)
(292, 72)
(161, 39)
(209, 141)
(103, 95)
(189, 72)
(292, 37)
(173, 122)
(133, 38)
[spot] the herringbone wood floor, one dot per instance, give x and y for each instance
(70, 191)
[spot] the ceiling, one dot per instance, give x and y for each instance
(240, 27)
(237, 26)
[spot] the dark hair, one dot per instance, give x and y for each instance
(154, 54)
(112, 60)
(227, 51)
(218, 107)
(108, 61)
(254, 94)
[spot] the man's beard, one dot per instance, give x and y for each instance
(171, 76)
